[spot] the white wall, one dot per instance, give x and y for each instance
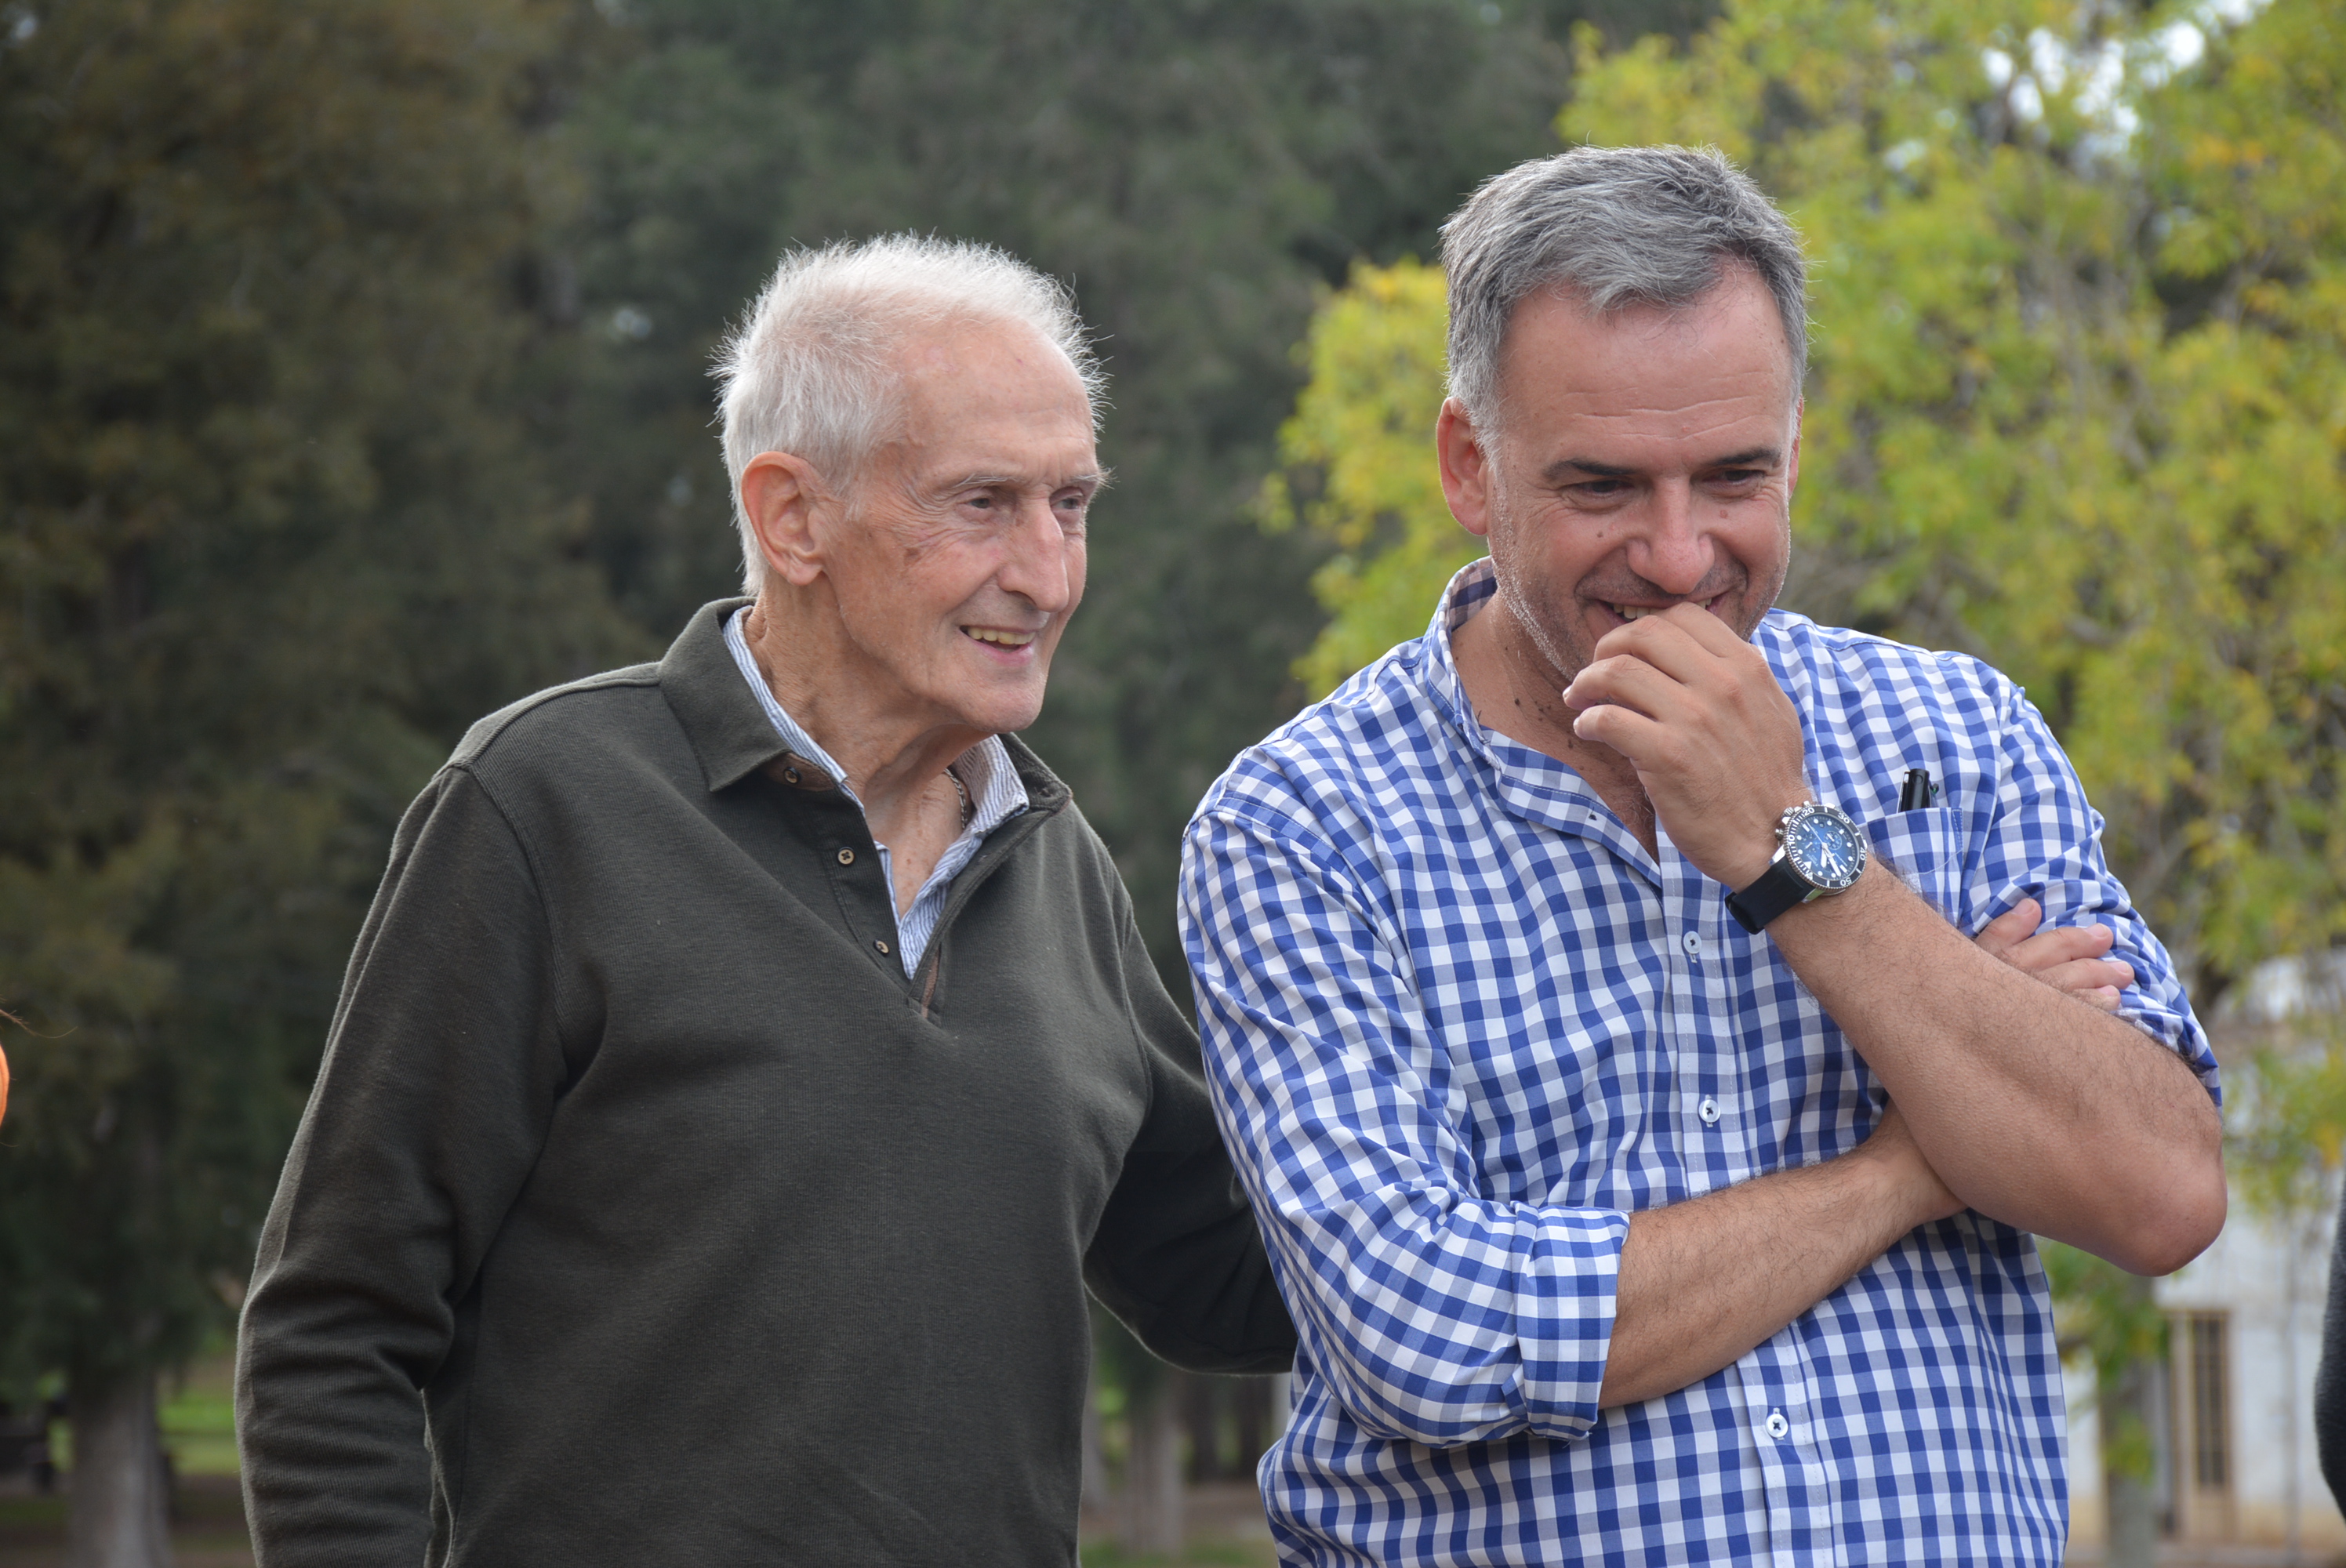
(2276, 1486)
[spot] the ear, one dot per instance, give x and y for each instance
(781, 495)
(1466, 468)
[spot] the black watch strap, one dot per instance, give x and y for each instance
(1779, 888)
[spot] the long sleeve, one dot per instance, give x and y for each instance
(1178, 1256)
(1438, 1315)
(432, 1102)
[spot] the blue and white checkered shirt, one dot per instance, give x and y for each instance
(996, 796)
(1459, 1025)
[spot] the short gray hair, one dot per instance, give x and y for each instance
(813, 370)
(1616, 227)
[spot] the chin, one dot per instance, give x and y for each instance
(1003, 717)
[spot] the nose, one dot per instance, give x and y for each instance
(1674, 552)
(1039, 563)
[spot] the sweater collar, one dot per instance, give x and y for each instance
(729, 731)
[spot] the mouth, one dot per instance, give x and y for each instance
(1003, 638)
(1626, 613)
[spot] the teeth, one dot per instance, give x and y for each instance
(1001, 638)
(1639, 612)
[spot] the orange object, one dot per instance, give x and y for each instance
(4, 1085)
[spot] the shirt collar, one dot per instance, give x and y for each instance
(1530, 784)
(995, 792)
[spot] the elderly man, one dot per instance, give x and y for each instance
(751, 1057)
(1648, 1152)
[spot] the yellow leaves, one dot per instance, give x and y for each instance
(1359, 449)
(2016, 442)
(1648, 94)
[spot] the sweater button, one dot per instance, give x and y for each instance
(880, 947)
(846, 857)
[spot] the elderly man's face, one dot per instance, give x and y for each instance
(965, 555)
(1647, 459)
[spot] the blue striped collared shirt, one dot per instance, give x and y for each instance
(1459, 1025)
(996, 796)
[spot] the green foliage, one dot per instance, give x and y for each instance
(2079, 346)
(1361, 435)
(2112, 1319)
(269, 537)
(2285, 1125)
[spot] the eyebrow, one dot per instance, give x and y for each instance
(1099, 479)
(1751, 458)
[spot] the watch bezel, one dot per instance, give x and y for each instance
(1791, 848)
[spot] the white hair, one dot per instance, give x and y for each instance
(813, 370)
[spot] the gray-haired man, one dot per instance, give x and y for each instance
(751, 1057)
(1647, 1148)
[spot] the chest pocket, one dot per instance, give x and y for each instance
(1930, 852)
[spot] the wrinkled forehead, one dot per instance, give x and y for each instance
(1559, 342)
(992, 399)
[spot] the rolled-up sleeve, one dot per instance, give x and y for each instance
(1437, 1314)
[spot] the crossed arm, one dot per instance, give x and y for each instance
(2012, 1090)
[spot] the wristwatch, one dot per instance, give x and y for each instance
(1818, 852)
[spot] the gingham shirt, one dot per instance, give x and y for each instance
(996, 796)
(1459, 1025)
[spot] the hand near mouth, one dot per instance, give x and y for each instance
(1715, 744)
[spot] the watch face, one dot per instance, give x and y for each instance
(1824, 846)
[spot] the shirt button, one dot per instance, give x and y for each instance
(846, 857)
(1778, 1427)
(1709, 1112)
(1692, 943)
(880, 947)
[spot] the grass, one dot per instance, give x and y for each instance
(199, 1420)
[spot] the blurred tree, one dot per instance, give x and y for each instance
(270, 536)
(2079, 346)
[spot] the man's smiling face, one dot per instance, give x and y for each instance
(1647, 459)
(964, 557)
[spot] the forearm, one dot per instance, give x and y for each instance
(1703, 1282)
(2034, 1108)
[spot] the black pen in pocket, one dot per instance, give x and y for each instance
(1918, 792)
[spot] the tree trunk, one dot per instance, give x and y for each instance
(2128, 1479)
(1201, 1420)
(120, 1493)
(1253, 1403)
(1152, 1473)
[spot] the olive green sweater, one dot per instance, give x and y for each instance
(644, 1212)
